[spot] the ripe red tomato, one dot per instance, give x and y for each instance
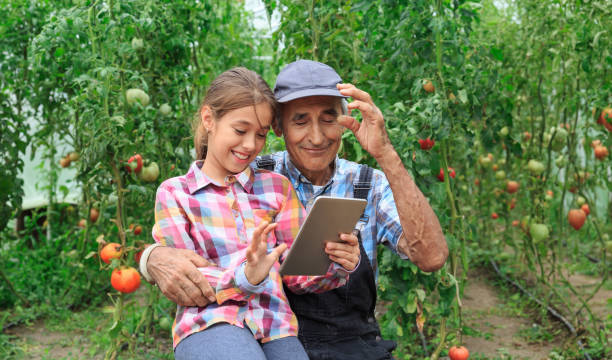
(512, 203)
(512, 187)
(576, 218)
(585, 208)
(515, 223)
(137, 230)
(606, 118)
(426, 144)
(110, 251)
(134, 163)
(451, 173)
(137, 256)
(93, 215)
(600, 152)
(429, 86)
(125, 279)
(82, 223)
(494, 216)
(64, 162)
(458, 353)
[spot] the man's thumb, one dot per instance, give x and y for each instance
(348, 122)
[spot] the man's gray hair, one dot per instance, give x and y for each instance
(344, 105)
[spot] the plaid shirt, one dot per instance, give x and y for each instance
(380, 223)
(217, 222)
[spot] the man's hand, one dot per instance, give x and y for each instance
(371, 132)
(345, 253)
(259, 261)
(175, 273)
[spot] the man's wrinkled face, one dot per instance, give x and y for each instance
(312, 134)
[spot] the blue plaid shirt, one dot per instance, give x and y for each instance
(380, 223)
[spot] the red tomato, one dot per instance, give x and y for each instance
(451, 173)
(110, 251)
(494, 216)
(134, 163)
(586, 209)
(426, 144)
(137, 230)
(576, 218)
(600, 152)
(458, 353)
(512, 187)
(125, 279)
(93, 215)
(605, 118)
(137, 256)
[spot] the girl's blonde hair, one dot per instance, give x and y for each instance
(233, 89)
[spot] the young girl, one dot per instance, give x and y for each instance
(241, 220)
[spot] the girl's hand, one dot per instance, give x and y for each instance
(259, 261)
(345, 253)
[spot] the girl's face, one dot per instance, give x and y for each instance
(235, 139)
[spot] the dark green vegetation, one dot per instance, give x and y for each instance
(523, 80)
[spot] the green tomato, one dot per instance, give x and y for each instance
(500, 175)
(137, 43)
(165, 323)
(535, 167)
(504, 131)
(609, 246)
(560, 161)
(538, 232)
(134, 95)
(580, 200)
(165, 109)
(484, 161)
(560, 136)
(149, 173)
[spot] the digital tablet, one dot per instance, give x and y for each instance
(328, 217)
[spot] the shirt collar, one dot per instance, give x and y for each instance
(197, 180)
(296, 176)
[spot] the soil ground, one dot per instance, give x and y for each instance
(498, 332)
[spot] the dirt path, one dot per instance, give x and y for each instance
(499, 329)
(502, 333)
(38, 342)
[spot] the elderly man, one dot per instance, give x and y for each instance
(339, 324)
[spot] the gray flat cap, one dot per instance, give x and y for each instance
(305, 78)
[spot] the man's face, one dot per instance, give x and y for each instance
(312, 134)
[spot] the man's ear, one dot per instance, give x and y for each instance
(207, 118)
(277, 127)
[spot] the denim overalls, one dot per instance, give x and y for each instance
(340, 324)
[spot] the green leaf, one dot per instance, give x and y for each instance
(497, 53)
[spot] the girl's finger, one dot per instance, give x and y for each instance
(259, 230)
(277, 251)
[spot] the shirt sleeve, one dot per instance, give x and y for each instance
(290, 217)
(231, 284)
(388, 226)
(172, 229)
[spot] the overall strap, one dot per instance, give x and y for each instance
(361, 188)
(266, 162)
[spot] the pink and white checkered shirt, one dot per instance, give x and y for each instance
(217, 222)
